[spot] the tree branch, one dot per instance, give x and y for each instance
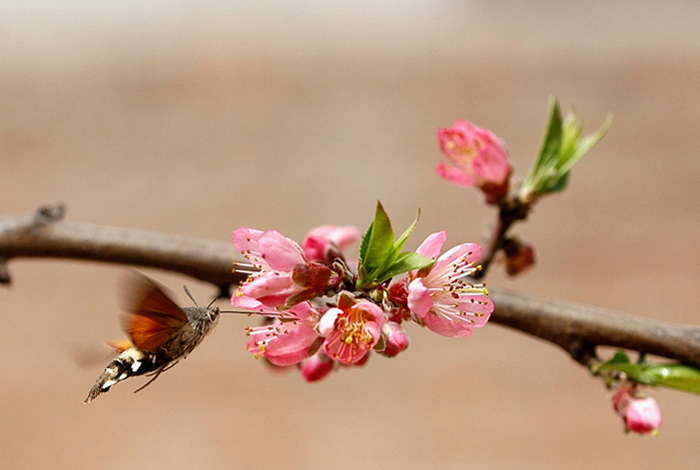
(39, 236)
(576, 328)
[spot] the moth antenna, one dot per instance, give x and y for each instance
(211, 303)
(187, 291)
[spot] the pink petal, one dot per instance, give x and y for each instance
(271, 288)
(444, 264)
(479, 308)
(315, 248)
(374, 312)
(303, 311)
(247, 303)
(246, 238)
(432, 245)
(491, 165)
(448, 319)
(419, 300)
(455, 175)
(246, 241)
(326, 325)
(445, 327)
(292, 346)
(470, 251)
(341, 236)
(457, 142)
(447, 145)
(281, 253)
(374, 330)
(340, 353)
(643, 415)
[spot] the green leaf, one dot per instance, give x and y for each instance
(402, 239)
(381, 239)
(562, 148)
(365, 242)
(406, 262)
(542, 176)
(398, 244)
(380, 255)
(571, 130)
(552, 138)
(677, 376)
(586, 144)
(620, 357)
(362, 276)
(559, 184)
(376, 248)
(572, 150)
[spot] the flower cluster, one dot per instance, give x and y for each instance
(320, 313)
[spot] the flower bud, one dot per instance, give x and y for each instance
(395, 338)
(519, 256)
(326, 243)
(398, 292)
(640, 413)
(316, 367)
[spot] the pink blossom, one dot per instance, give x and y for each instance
(288, 338)
(351, 329)
(478, 156)
(275, 256)
(327, 242)
(640, 413)
(285, 276)
(316, 367)
(440, 297)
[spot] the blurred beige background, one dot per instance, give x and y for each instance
(195, 118)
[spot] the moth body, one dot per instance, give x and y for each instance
(161, 335)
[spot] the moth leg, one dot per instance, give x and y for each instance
(155, 376)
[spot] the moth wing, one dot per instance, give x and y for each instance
(120, 345)
(152, 317)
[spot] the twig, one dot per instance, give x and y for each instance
(510, 211)
(576, 328)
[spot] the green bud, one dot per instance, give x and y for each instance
(562, 147)
(380, 255)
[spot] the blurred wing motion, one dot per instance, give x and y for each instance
(161, 334)
(152, 318)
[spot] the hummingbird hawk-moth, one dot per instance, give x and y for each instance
(160, 332)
